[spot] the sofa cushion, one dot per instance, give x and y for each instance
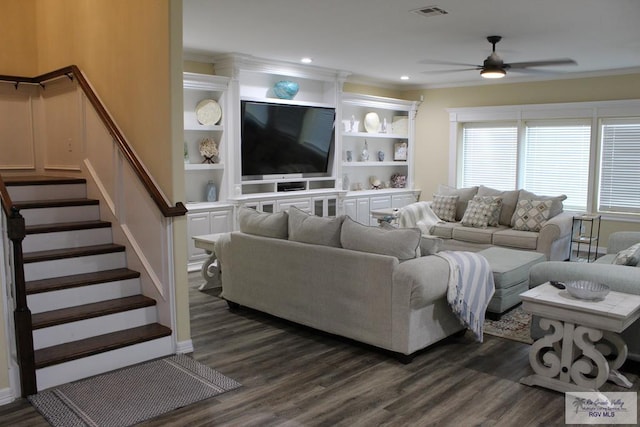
(307, 228)
(629, 256)
(444, 230)
(516, 239)
(429, 245)
(464, 195)
(482, 212)
(530, 215)
(509, 202)
(445, 207)
(402, 243)
(556, 206)
(263, 223)
(474, 235)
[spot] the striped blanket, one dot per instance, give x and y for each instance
(418, 214)
(470, 288)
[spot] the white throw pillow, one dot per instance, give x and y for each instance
(629, 256)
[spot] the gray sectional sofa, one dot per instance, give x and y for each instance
(369, 284)
(550, 236)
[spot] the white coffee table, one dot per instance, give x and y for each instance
(581, 333)
(210, 269)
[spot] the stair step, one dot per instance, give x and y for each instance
(59, 203)
(66, 226)
(102, 343)
(29, 188)
(100, 363)
(72, 252)
(55, 211)
(88, 311)
(19, 180)
(77, 280)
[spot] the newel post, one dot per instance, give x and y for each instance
(22, 314)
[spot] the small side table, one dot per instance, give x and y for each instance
(585, 231)
(389, 215)
(571, 357)
(210, 268)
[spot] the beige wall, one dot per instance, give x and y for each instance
(432, 123)
(18, 38)
(131, 52)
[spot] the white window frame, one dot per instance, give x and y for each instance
(519, 114)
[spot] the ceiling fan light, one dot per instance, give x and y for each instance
(495, 73)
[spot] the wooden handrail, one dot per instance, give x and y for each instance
(7, 203)
(72, 71)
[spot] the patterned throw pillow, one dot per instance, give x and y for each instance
(445, 207)
(477, 214)
(629, 256)
(495, 204)
(530, 215)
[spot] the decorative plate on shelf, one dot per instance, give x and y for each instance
(208, 112)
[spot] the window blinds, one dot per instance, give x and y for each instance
(620, 166)
(556, 161)
(489, 156)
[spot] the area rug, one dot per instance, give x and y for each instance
(131, 395)
(513, 325)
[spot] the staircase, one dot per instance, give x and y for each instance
(88, 313)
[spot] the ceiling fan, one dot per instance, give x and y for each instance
(494, 67)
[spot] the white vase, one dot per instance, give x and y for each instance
(371, 122)
(364, 155)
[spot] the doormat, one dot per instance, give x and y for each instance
(131, 395)
(513, 325)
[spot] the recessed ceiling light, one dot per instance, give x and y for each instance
(404, 77)
(306, 60)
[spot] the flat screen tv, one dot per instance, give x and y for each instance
(281, 141)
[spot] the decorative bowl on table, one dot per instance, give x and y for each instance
(584, 289)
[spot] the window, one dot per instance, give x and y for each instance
(556, 161)
(489, 156)
(589, 151)
(620, 166)
(554, 158)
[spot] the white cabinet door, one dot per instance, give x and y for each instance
(220, 221)
(363, 215)
(400, 200)
(197, 224)
(351, 208)
(302, 204)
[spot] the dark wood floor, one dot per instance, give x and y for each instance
(293, 376)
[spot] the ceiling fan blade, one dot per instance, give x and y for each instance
(434, 62)
(565, 61)
(449, 71)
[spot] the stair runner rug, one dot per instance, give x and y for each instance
(513, 325)
(131, 395)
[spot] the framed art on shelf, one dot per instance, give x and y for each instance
(400, 151)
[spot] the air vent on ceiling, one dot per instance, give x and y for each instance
(430, 11)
